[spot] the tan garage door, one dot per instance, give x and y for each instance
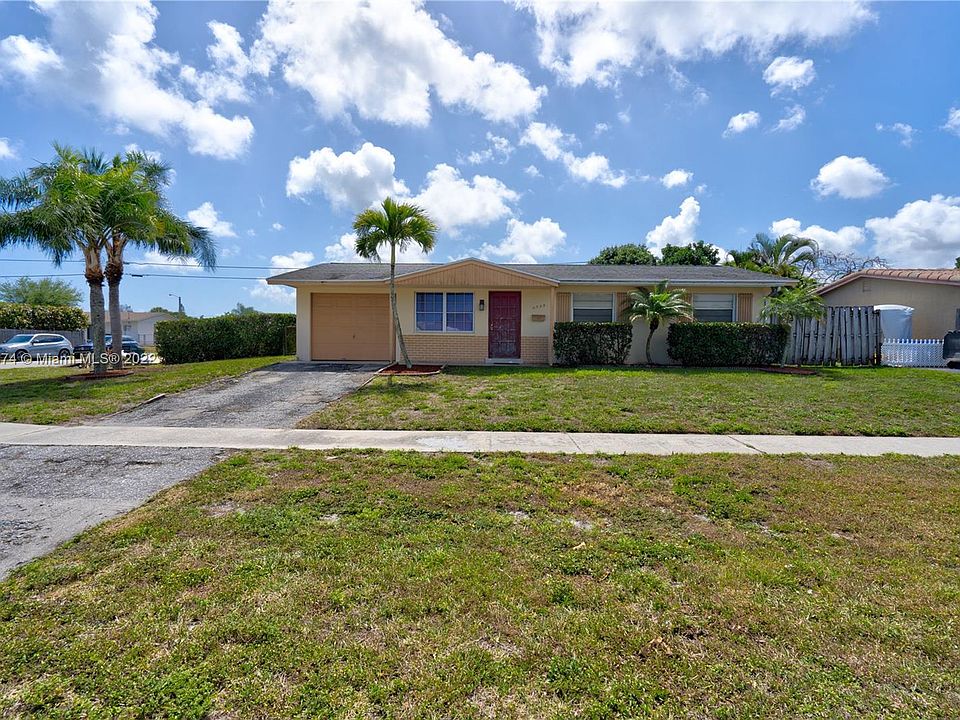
(350, 327)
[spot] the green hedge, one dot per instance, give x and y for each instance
(226, 337)
(591, 343)
(721, 344)
(15, 316)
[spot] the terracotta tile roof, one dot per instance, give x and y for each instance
(943, 276)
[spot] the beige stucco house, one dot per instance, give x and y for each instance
(933, 294)
(473, 312)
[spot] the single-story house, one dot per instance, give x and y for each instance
(473, 312)
(934, 295)
(138, 325)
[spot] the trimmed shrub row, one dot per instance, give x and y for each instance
(591, 343)
(715, 344)
(225, 337)
(41, 317)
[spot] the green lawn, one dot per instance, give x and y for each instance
(849, 401)
(393, 585)
(45, 396)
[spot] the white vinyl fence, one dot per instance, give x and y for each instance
(912, 353)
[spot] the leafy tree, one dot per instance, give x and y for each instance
(696, 253)
(159, 309)
(45, 291)
(397, 225)
(628, 254)
(656, 306)
(242, 310)
(791, 304)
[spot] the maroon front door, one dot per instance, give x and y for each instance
(504, 328)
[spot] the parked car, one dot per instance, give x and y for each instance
(951, 349)
(131, 348)
(35, 345)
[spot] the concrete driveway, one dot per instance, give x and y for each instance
(277, 396)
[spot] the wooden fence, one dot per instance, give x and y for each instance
(844, 336)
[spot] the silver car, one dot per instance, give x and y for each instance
(35, 345)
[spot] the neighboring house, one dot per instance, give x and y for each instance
(933, 294)
(471, 312)
(138, 325)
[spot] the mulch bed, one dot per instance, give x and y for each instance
(397, 369)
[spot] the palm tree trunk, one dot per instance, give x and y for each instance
(393, 305)
(94, 278)
(654, 324)
(114, 274)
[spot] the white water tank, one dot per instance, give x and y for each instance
(896, 321)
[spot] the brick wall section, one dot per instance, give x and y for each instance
(453, 349)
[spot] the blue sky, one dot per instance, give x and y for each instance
(531, 132)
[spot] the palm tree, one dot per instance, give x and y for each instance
(397, 225)
(136, 213)
(54, 207)
(789, 305)
(787, 256)
(658, 305)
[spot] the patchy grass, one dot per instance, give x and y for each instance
(44, 396)
(350, 585)
(848, 401)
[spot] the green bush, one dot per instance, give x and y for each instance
(226, 337)
(16, 316)
(591, 343)
(721, 344)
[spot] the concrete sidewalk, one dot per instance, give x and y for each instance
(453, 441)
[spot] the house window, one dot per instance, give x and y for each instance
(433, 307)
(710, 307)
(459, 312)
(593, 307)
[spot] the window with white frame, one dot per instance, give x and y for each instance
(444, 312)
(713, 307)
(593, 307)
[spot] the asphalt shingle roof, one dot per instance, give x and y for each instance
(629, 274)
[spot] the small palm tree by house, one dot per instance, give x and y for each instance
(791, 304)
(397, 225)
(657, 306)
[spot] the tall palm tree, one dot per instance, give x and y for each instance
(787, 255)
(789, 305)
(136, 213)
(397, 225)
(54, 207)
(656, 306)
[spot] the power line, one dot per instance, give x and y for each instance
(157, 264)
(146, 275)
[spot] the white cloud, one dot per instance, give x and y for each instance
(600, 128)
(453, 201)
(923, 233)
(846, 239)
(277, 226)
(102, 55)
(527, 242)
(7, 151)
(206, 216)
(742, 122)
(682, 84)
(953, 121)
(596, 42)
(230, 67)
(679, 229)
(351, 180)
(278, 294)
(154, 155)
(384, 59)
(788, 73)
(792, 120)
(553, 144)
(676, 178)
(905, 131)
(499, 149)
(532, 170)
(849, 178)
(344, 250)
(175, 264)
(624, 116)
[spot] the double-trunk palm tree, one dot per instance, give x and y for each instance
(657, 306)
(78, 203)
(397, 225)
